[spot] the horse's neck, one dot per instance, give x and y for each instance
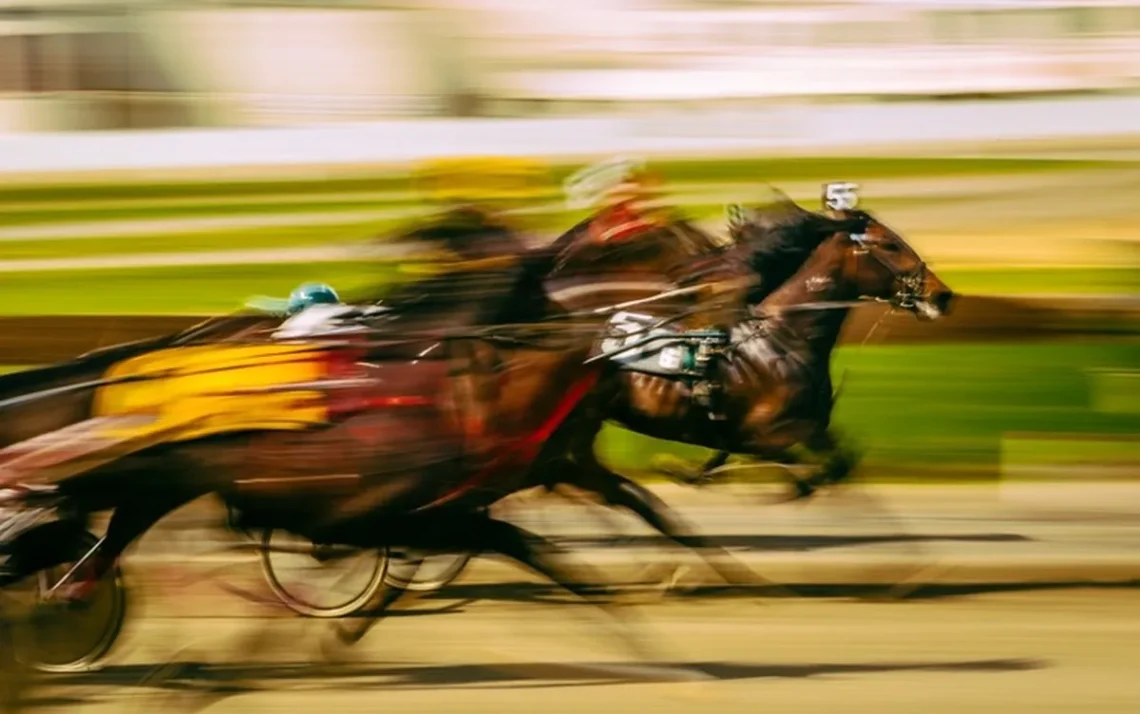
(820, 280)
(572, 236)
(589, 276)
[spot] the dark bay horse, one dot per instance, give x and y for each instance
(131, 519)
(46, 400)
(771, 246)
(418, 475)
(773, 370)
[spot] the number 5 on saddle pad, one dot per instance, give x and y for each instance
(668, 354)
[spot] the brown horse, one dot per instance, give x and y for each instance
(774, 371)
(482, 299)
(417, 475)
(773, 365)
(134, 516)
(769, 375)
(46, 400)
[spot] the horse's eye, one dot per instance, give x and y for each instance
(891, 247)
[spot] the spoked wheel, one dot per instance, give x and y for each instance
(421, 571)
(62, 637)
(14, 673)
(319, 580)
(435, 571)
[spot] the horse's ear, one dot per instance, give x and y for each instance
(776, 206)
(771, 198)
(777, 197)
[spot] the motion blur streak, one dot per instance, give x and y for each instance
(446, 199)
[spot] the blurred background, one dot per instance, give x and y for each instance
(165, 159)
(146, 64)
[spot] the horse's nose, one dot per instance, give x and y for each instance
(943, 300)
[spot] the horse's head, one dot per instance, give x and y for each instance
(879, 263)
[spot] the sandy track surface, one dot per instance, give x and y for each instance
(999, 654)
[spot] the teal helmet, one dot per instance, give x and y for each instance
(311, 294)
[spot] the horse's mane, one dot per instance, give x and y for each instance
(468, 231)
(458, 221)
(568, 238)
(779, 237)
(696, 244)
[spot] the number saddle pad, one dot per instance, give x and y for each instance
(663, 351)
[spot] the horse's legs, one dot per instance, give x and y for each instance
(832, 458)
(717, 460)
(479, 531)
(587, 473)
(685, 472)
(128, 522)
(835, 461)
(839, 460)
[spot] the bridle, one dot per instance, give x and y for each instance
(908, 284)
(910, 287)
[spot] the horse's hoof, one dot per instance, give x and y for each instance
(334, 649)
(660, 577)
(662, 584)
(801, 491)
(670, 582)
(796, 495)
(348, 635)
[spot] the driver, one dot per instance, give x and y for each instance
(631, 206)
(309, 294)
(311, 309)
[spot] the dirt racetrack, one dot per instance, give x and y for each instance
(1048, 652)
(40, 339)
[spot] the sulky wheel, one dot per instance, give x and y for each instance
(14, 673)
(318, 580)
(425, 572)
(62, 637)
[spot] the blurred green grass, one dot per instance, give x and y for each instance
(929, 411)
(85, 211)
(745, 169)
(212, 289)
(263, 238)
(1059, 280)
(191, 289)
(1027, 450)
(548, 211)
(370, 224)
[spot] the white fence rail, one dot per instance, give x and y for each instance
(826, 128)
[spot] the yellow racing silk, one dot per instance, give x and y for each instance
(203, 390)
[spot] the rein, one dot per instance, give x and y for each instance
(817, 306)
(492, 333)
